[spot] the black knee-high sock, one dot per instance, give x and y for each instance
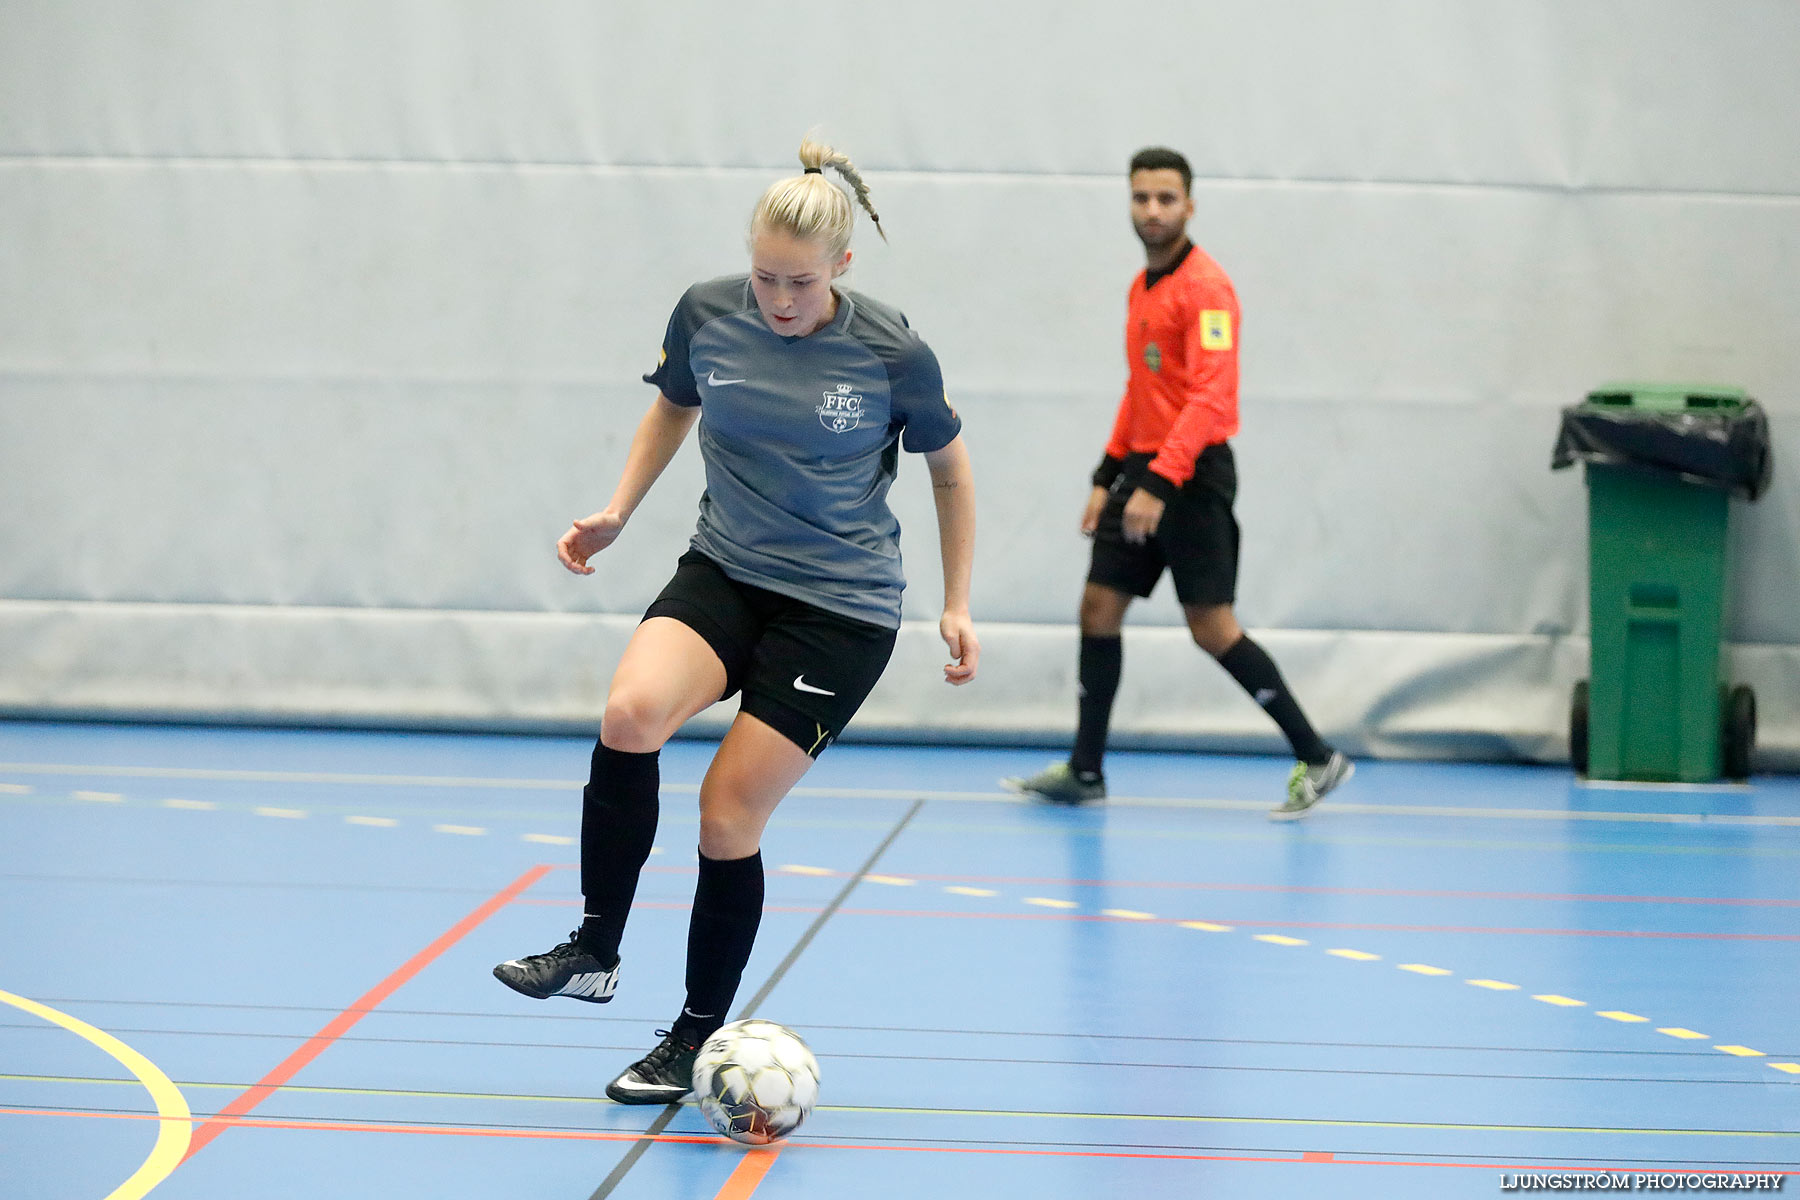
(728, 903)
(618, 825)
(1256, 673)
(1102, 658)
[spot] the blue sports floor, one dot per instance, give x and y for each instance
(255, 964)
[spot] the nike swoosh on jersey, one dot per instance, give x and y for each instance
(712, 379)
(800, 685)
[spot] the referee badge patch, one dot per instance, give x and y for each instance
(1215, 329)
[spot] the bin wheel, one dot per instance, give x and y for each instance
(1578, 728)
(1738, 736)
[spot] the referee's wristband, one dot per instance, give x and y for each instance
(1107, 471)
(1157, 486)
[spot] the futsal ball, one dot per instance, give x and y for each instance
(755, 1081)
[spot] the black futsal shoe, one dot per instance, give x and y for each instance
(568, 970)
(663, 1076)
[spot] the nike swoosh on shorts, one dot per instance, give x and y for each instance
(800, 685)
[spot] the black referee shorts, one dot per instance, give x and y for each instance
(803, 671)
(1196, 540)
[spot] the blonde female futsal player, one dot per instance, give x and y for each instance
(789, 592)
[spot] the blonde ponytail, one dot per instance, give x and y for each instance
(815, 208)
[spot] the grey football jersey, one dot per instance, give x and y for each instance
(800, 436)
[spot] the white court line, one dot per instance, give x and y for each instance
(993, 797)
(1633, 785)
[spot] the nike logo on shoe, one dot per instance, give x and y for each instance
(800, 685)
(630, 1084)
(599, 985)
(713, 380)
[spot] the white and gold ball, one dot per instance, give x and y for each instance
(755, 1081)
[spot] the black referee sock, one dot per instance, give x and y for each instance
(1257, 674)
(728, 903)
(618, 825)
(1102, 659)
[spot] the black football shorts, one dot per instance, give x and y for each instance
(1196, 541)
(803, 671)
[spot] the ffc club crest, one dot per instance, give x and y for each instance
(842, 410)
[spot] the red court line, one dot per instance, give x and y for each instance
(1292, 889)
(1338, 926)
(340, 1024)
(1289, 889)
(1309, 1157)
(749, 1174)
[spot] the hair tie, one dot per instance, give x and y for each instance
(815, 170)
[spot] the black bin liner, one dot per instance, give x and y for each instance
(1713, 441)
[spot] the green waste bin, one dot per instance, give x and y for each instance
(1662, 461)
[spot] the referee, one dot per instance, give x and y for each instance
(1163, 495)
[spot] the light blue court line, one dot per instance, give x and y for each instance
(1453, 811)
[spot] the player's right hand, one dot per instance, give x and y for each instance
(587, 537)
(1090, 519)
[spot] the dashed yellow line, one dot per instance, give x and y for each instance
(15, 789)
(175, 1126)
(1121, 914)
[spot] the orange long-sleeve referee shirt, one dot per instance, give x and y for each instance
(1181, 394)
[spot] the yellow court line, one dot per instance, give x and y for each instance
(1004, 1114)
(176, 1124)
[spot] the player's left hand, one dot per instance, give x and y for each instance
(959, 634)
(1143, 513)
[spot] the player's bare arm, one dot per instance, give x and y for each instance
(659, 435)
(953, 491)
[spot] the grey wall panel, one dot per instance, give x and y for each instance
(302, 381)
(1604, 93)
(1389, 694)
(318, 322)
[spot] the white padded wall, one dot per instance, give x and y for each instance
(318, 321)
